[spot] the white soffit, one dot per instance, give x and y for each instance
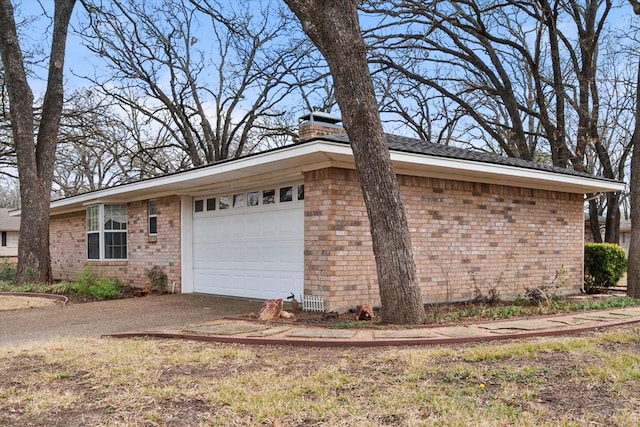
(297, 159)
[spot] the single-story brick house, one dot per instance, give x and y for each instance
(9, 235)
(292, 220)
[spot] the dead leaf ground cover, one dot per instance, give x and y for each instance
(474, 311)
(592, 379)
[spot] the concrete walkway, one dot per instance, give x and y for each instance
(117, 316)
(237, 330)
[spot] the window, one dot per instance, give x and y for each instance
(286, 194)
(211, 204)
(224, 202)
(107, 232)
(268, 197)
(198, 205)
(4, 238)
(238, 200)
(301, 192)
(252, 198)
(152, 207)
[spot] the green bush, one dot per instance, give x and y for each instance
(98, 287)
(7, 271)
(604, 265)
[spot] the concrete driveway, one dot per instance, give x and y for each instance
(117, 316)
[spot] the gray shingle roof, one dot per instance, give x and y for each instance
(417, 146)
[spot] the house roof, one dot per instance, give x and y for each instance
(418, 146)
(409, 157)
(8, 223)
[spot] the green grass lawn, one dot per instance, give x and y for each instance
(592, 379)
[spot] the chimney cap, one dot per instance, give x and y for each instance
(320, 117)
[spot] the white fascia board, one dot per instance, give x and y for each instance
(488, 173)
(319, 154)
(282, 162)
(513, 176)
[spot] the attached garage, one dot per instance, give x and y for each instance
(250, 244)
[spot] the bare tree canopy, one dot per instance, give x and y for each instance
(526, 80)
(217, 98)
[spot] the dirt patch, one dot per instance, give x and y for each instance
(11, 302)
(590, 379)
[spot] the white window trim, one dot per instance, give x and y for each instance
(149, 216)
(101, 231)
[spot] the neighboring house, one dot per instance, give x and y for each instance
(9, 235)
(292, 220)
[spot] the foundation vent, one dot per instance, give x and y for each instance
(312, 303)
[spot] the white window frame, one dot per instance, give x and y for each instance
(100, 231)
(153, 215)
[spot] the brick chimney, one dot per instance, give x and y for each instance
(317, 124)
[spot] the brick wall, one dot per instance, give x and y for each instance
(69, 251)
(308, 130)
(466, 237)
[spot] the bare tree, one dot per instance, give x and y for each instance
(633, 266)
(334, 29)
(102, 145)
(523, 76)
(9, 192)
(219, 99)
(35, 156)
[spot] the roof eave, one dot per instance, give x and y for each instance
(295, 160)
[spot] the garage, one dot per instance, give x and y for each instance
(250, 244)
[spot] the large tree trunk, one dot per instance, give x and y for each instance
(612, 221)
(633, 267)
(36, 159)
(334, 28)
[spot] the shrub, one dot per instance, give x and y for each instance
(158, 279)
(98, 287)
(7, 271)
(604, 265)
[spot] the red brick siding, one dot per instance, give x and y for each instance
(69, 251)
(312, 130)
(465, 237)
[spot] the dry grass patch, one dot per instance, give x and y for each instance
(8, 303)
(563, 381)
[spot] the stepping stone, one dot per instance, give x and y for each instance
(231, 328)
(460, 332)
(269, 332)
(620, 314)
(569, 321)
(599, 317)
(405, 333)
(321, 333)
(631, 311)
(523, 325)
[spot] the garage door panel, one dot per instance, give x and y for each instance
(257, 254)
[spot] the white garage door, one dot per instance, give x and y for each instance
(253, 246)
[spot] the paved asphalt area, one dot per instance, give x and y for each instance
(117, 316)
(211, 318)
